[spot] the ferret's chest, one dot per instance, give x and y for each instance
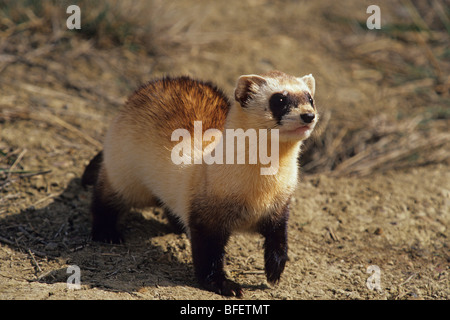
(243, 197)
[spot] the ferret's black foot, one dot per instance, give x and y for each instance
(106, 210)
(106, 235)
(223, 286)
(274, 266)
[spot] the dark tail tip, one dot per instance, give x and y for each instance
(90, 174)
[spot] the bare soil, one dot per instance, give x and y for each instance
(375, 183)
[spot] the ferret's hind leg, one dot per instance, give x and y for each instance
(176, 225)
(106, 208)
(92, 170)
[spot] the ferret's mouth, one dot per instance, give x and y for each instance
(299, 130)
(302, 129)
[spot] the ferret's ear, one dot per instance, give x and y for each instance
(246, 86)
(310, 83)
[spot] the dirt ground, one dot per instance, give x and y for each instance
(375, 182)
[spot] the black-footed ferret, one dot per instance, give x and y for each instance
(210, 199)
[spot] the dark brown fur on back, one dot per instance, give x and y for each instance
(174, 103)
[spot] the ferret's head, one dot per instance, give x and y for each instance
(279, 101)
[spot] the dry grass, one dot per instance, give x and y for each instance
(411, 60)
(385, 145)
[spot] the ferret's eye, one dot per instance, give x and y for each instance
(278, 101)
(311, 101)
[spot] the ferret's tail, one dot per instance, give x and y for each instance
(90, 174)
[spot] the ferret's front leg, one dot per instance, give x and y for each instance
(208, 251)
(274, 229)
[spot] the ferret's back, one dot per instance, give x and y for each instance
(165, 105)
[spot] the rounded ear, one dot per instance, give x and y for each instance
(246, 86)
(310, 83)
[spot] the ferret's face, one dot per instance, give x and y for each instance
(279, 101)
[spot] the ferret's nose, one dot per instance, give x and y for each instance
(307, 117)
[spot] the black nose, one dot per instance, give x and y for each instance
(307, 117)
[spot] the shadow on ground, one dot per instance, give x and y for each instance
(60, 232)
